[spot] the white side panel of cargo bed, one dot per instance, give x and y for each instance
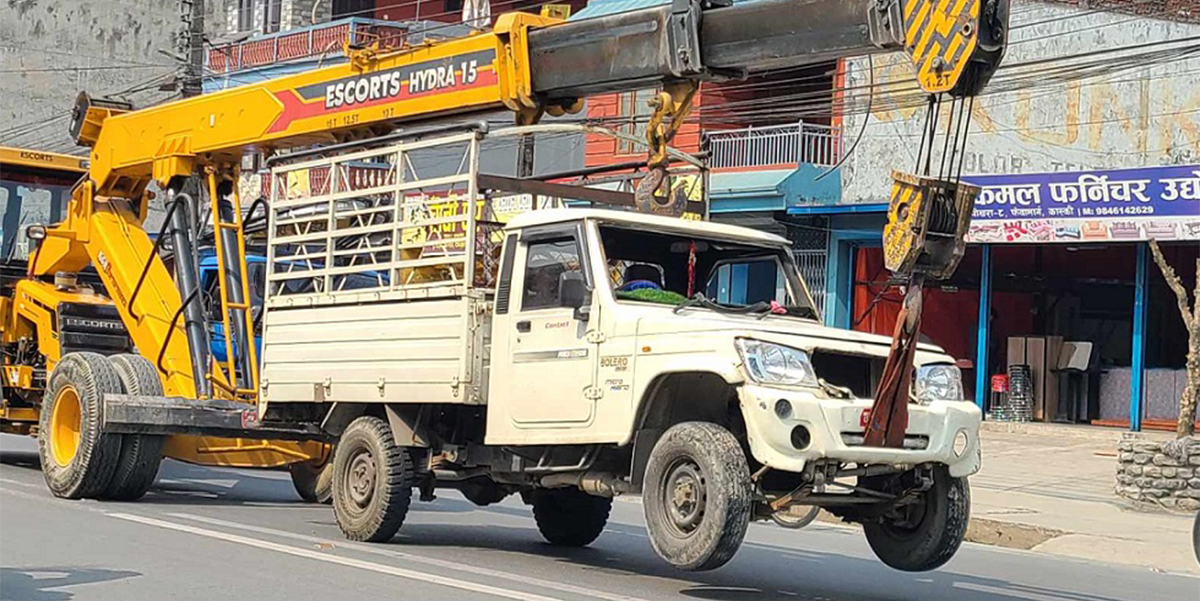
(409, 352)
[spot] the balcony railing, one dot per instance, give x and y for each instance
(307, 42)
(774, 145)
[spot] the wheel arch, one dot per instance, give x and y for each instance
(681, 396)
(407, 421)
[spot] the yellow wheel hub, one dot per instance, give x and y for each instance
(66, 424)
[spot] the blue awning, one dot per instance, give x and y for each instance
(601, 8)
(745, 191)
(838, 209)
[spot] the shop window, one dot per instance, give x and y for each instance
(245, 15)
(353, 8)
(272, 16)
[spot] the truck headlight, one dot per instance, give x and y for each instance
(768, 363)
(940, 382)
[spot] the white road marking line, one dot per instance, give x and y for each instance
(336, 559)
(1014, 592)
(450, 565)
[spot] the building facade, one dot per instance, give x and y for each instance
(52, 49)
(1087, 144)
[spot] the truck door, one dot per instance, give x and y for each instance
(546, 377)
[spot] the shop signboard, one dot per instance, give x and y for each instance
(1088, 206)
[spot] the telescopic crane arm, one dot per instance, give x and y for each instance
(529, 64)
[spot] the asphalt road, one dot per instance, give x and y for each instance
(209, 534)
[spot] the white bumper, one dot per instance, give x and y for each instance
(933, 427)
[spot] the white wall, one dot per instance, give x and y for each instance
(53, 49)
(1132, 118)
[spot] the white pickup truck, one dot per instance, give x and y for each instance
(575, 354)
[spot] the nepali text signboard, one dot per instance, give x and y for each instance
(1088, 206)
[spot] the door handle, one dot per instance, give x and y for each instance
(523, 326)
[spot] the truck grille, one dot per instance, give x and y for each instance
(95, 328)
(912, 442)
(859, 373)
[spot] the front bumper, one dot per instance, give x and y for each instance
(836, 426)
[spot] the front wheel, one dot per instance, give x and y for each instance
(77, 459)
(925, 534)
(697, 496)
(372, 481)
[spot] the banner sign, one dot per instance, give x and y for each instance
(1088, 206)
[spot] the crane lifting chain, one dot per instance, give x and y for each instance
(929, 213)
(673, 103)
(924, 237)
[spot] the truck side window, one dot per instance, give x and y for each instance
(748, 282)
(545, 262)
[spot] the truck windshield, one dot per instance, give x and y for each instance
(30, 195)
(665, 268)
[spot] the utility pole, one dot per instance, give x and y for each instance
(191, 46)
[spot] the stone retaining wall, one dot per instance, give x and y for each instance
(1163, 474)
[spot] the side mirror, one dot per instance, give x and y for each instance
(573, 292)
(35, 231)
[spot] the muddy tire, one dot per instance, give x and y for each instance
(926, 534)
(141, 454)
(313, 480)
(697, 496)
(372, 481)
(77, 460)
(569, 517)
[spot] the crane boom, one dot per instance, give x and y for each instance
(530, 63)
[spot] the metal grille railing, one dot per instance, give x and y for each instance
(774, 145)
(812, 265)
(304, 43)
(380, 220)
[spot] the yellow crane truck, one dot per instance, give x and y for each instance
(69, 312)
(567, 357)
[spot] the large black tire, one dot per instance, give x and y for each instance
(924, 535)
(77, 460)
(569, 517)
(313, 480)
(141, 454)
(697, 496)
(1196, 537)
(372, 481)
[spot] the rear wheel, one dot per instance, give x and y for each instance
(314, 479)
(569, 517)
(925, 534)
(141, 454)
(697, 496)
(77, 460)
(372, 481)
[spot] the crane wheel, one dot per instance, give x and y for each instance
(77, 460)
(372, 481)
(314, 479)
(141, 454)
